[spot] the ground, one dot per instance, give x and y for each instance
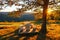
(8, 31)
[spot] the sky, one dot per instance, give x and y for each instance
(13, 7)
(10, 8)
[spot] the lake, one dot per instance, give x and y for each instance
(25, 17)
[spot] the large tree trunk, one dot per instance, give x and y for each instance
(43, 31)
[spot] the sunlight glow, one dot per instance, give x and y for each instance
(49, 11)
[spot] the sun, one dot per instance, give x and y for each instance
(49, 11)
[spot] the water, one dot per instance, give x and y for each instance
(25, 17)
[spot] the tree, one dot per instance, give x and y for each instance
(1, 4)
(43, 31)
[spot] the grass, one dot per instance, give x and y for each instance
(53, 30)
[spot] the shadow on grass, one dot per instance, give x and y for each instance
(27, 35)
